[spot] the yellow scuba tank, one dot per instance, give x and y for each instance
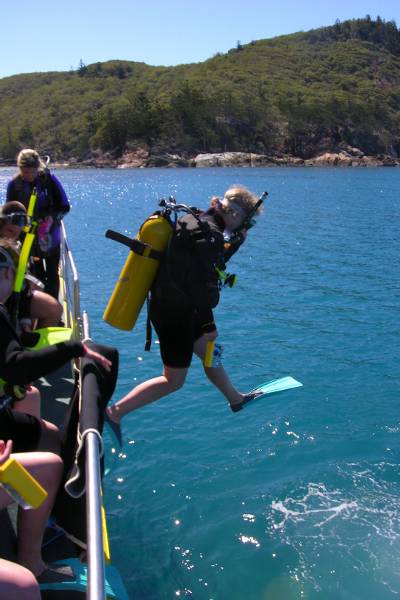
(139, 271)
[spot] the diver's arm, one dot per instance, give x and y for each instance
(19, 366)
(231, 247)
(61, 205)
(23, 304)
(10, 195)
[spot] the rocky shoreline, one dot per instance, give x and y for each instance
(143, 158)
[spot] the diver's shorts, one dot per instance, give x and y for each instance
(23, 429)
(177, 332)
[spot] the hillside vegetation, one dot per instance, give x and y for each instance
(299, 94)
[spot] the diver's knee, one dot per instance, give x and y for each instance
(175, 378)
(56, 309)
(50, 437)
(175, 384)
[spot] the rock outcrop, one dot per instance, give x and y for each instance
(231, 159)
(133, 159)
(355, 159)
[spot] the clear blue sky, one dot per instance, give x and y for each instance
(54, 35)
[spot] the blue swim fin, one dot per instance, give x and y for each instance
(277, 385)
(115, 588)
(269, 387)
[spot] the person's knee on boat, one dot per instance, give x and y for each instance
(46, 311)
(17, 582)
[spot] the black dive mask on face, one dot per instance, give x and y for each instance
(17, 219)
(250, 221)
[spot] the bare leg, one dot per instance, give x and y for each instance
(50, 438)
(50, 435)
(30, 404)
(17, 583)
(148, 391)
(46, 309)
(218, 375)
(47, 469)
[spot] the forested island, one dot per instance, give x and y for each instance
(326, 96)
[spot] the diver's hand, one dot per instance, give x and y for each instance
(99, 358)
(241, 236)
(5, 450)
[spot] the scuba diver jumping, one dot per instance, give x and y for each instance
(184, 293)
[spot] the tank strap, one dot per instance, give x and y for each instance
(135, 245)
(147, 345)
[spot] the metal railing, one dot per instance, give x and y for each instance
(69, 286)
(70, 292)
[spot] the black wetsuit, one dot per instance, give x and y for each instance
(19, 366)
(186, 288)
(19, 306)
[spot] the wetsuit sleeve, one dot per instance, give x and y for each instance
(11, 195)
(230, 248)
(24, 309)
(62, 205)
(23, 303)
(19, 366)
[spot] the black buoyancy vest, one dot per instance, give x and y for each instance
(22, 193)
(187, 272)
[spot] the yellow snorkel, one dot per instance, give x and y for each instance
(30, 231)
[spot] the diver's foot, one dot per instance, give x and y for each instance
(245, 400)
(113, 427)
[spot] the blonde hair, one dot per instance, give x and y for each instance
(242, 197)
(28, 158)
(31, 158)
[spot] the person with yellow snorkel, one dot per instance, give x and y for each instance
(51, 206)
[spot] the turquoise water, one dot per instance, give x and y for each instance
(297, 496)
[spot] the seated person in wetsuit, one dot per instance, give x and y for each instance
(31, 306)
(18, 367)
(183, 296)
(20, 580)
(51, 206)
(34, 304)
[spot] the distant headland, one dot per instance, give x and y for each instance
(326, 97)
